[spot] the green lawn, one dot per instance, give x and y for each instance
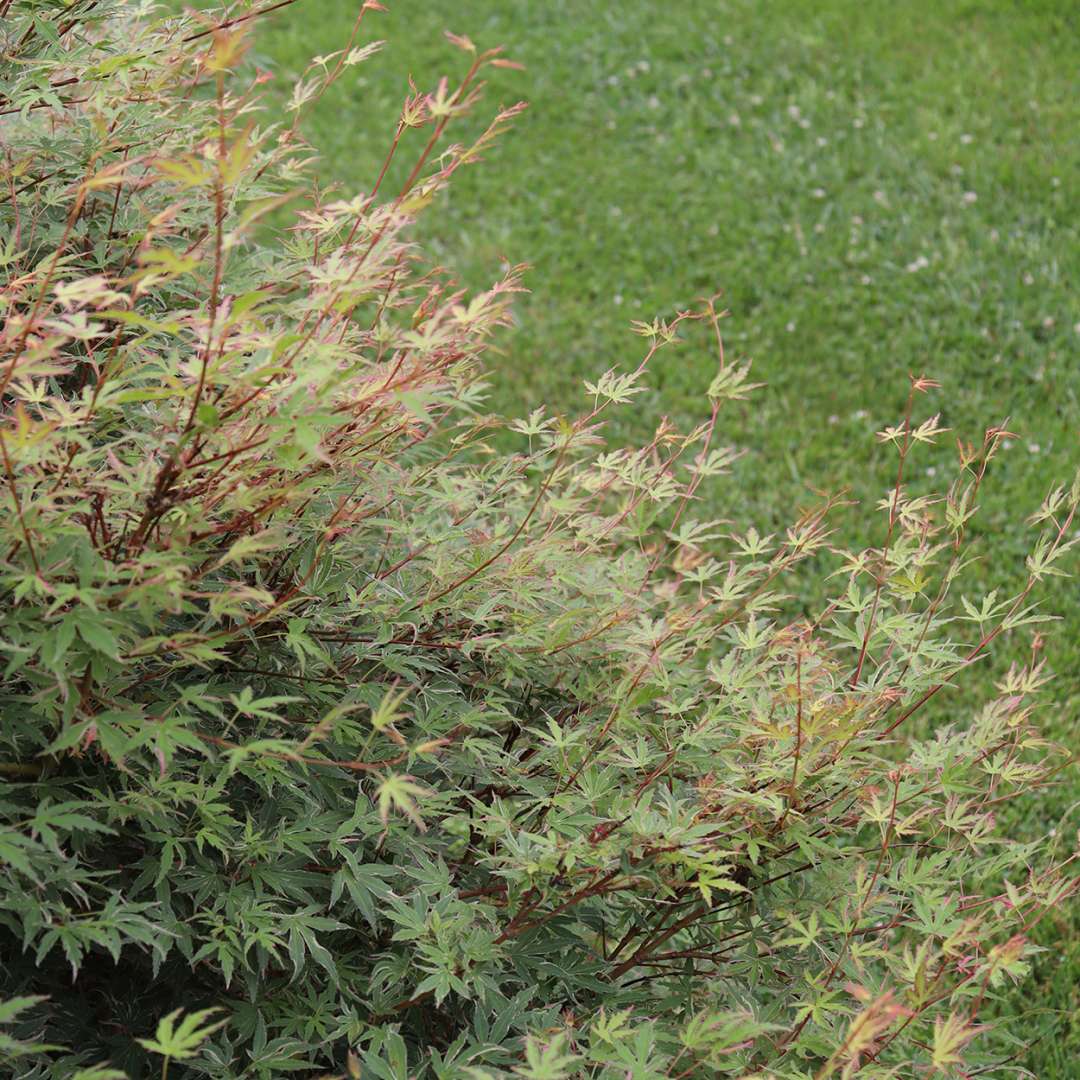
(877, 188)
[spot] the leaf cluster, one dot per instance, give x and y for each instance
(409, 754)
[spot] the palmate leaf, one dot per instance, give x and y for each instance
(181, 1038)
(303, 942)
(50, 818)
(547, 1060)
(17, 850)
(365, 884)
(399, 792)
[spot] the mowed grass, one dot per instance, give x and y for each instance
(878, 189)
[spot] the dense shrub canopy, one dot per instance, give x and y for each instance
(405, 753)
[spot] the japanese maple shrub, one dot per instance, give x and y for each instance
(334, 738)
